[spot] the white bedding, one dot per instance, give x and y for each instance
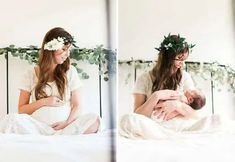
(201, 147)
(136, 126)
(57, 148)
(207, 139)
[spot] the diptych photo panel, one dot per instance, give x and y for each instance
(117, 81)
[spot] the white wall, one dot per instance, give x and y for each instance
(208, 24)
(27, 21)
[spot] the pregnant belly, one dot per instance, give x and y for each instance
(51, 115)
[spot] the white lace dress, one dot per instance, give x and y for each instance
(39, 122)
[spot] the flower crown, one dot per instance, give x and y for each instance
(58, 43)
(175, 44)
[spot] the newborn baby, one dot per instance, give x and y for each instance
(194, 98)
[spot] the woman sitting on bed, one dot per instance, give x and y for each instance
(167, 74)
(48, 101)
(164, 82)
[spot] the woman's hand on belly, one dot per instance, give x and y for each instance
(53, 101)
(60, 125)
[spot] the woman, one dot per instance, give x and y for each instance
(163, 82)
(168, 74)
(48, 101)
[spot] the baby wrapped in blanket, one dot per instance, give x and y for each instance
(175, 120)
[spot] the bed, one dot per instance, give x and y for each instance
(189, 147)
(58, 148)
(208, 138)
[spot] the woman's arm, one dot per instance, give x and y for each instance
(73, 113)
(25, 108)
(145, 107)
(74, 107)
(141, 106)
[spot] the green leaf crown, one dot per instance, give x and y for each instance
(175, 43)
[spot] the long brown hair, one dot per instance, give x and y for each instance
(162, 73)
(45, 62)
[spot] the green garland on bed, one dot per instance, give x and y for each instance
(219, 74)
(98, 56)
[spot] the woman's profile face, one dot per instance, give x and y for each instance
(179, 60)
(62, 54)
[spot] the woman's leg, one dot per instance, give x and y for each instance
(94, 127)
(84, 124)
(23, 124)
(139, 126)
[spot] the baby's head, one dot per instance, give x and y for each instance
(196, 99)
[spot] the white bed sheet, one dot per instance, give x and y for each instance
(216, 147)
(60, 148)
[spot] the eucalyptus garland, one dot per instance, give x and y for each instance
(104, 58)
(219, 74)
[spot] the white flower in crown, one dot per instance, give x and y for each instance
(54, 44)
(169, 45)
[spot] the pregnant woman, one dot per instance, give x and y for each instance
(48, 101)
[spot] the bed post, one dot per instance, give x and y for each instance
(100, 93)
(7, 82)
(212, 94)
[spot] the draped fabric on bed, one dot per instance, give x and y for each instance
(25, 124)
(136, 126)
(209, 139)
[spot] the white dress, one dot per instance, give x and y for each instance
(39, 122)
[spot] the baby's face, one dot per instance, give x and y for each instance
(191, 94)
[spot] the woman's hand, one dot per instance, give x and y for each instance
(166, 111)
(170, 106)
(60, 125)
(53, 101)
(167, 94)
